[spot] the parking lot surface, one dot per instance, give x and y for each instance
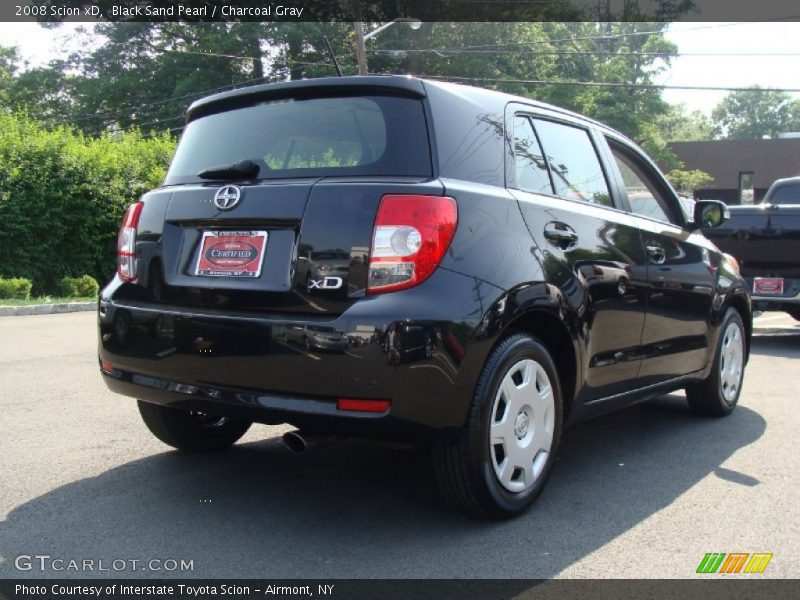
(645, 492)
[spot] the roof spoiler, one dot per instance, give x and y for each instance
(306, 88)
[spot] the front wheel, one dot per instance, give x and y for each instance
(717, 395)
(503, 456)
(191, 430)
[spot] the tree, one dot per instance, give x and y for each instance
(622, 55)
(679, 125)
(687, 182)
(756, 113)
(145, 74)
(62, 195)
(8, 59)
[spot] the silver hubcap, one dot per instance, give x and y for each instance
(521, 430)
(731, 362)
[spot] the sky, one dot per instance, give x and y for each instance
(38, 45)
(731, 71)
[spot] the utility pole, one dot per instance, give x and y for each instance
(358, 26)
(361, 54)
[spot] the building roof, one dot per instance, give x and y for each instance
(768, 160)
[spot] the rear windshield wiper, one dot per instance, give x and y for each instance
(243, 168)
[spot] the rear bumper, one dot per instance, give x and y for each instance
(789, 299)
(243, 364)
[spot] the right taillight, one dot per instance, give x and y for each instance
(126, 243)
(411, 235)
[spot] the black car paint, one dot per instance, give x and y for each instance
(220, 349)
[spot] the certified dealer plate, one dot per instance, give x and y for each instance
(768, 285)
(231, 254)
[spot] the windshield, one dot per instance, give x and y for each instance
(785, 194)
(366, 135)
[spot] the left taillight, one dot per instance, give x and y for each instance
(126, 243)
(411, 235)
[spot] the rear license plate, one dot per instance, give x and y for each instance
(231, 254)
(768, 285)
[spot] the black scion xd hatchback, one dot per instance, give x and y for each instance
(400, 259)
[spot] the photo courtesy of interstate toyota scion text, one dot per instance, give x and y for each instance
(413, 261)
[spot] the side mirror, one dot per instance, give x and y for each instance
(710, 213)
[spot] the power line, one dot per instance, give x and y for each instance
(610, 84)
(454, 52)
(154, 122)
(119, 110)
(601, 37)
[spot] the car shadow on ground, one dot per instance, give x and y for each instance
(357, 509)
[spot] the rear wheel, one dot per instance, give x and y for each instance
(191, 430)
(795, 313)
(718, 394)
(502, 457)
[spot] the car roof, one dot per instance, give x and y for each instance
(785, 181)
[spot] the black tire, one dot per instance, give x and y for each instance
(708, 397)
(196, 432)
(794, 313)
(464, 467)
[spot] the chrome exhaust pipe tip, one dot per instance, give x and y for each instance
(295, 441)
(299, 441)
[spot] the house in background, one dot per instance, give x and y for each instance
(742, 170)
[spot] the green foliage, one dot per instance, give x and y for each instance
(652, 141)
(549, 53)
(62, 196)
(85, 286)
(8, 59)
(687, 182)
(17, 288)
(679, 125)
(326, 159)
(756, 114)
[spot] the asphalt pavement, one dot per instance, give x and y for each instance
(644, 492)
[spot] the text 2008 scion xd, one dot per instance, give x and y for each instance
(400, 259)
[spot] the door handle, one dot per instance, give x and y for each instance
(656, 254)
(560, 234)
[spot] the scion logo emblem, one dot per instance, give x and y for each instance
(227, 197)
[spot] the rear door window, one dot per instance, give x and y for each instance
(530, 165)
(364, 135)
(574, 164)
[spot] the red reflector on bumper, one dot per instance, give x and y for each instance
(106, 366)
(362, 405)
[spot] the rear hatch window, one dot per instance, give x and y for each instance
(287, 138)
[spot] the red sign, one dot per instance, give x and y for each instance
(231, 253)
(768, 285)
